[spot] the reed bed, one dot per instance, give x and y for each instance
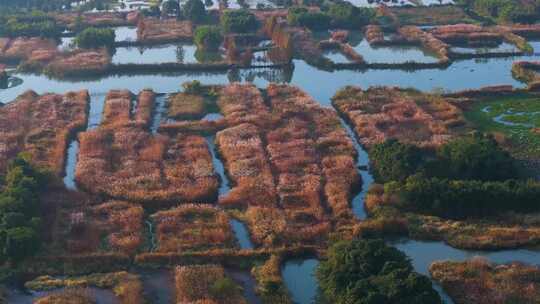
(481, 282)
(381, 113)
(78, 63)
(145, 107)
(202, 284)
(122, 224)
(243, 103)
(95, 19)
(374, 34)
(186, 106)
(193, 227)
(427, 40)
(41, 125)
(466, 33)
(22, 48)
(126, 286)
(123, 160)
(68, 296)
(167, 30)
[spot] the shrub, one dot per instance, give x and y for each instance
(392, 160)
(370, 272)
(238, 21)
(95, 38)
(33, 24)
(477, 157)
(312, 20)
(208, 37)
(171, 7)
(194, 10)
(346, 15)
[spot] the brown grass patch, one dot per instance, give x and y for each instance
(41, 125)
(168, 30)
(381, 113)
(198, 284)
(186, 106)
(193, 227)
(480, 282)
(122, 159)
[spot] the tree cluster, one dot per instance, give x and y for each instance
(239, 21)
(371, 272)
(518, 11)
(91, 38)
(34, 24)
(337, 15)
(208, 37)
(19, 210)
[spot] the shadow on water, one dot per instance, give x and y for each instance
(299, 278)
(158, 285)
(248, 283)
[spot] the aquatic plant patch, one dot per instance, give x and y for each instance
(516, 116)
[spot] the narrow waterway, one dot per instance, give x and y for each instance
(247, 282)
(239, 228)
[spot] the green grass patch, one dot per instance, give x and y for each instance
(516, 117)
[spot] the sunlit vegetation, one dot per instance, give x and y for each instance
(206, 284)
(69, 296)
(163, 31)
(21, 48)
(208, 37)
(480, 282)
(42, 126)
(431, 15)
(124, 160)
(369, 271)
(412, 117)
(192, 227)
(504, 11)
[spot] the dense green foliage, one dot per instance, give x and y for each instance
(465, 198)
(238, 21)
(394, 161)
(194, 10)
(3, 79)
(346, 15)
(19, 210)
(34, 24)
(370, 272)
(504, 10)
(474, 157)
(208, 37)
(300, 16)
(95, 38)
(170, 7)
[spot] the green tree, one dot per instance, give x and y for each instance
(208, 37)
(20, 243)
(370, 272)
(239, 21)
(346, 15)
(477, 157)
(195, 11)
(171, 7)
(95, 38)
(394, 161)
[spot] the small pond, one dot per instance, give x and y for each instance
(299, 278)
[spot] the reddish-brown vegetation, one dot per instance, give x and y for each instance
(466, 33)
(192, 227)
(122, 159)
(154, 30)
(93, 19)
(289, 160)
(427, 40)
(41, 125)
(186, 106)
(200, 284)
(409, 116)
(374, 34)
(480, 282)
(22, 48)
